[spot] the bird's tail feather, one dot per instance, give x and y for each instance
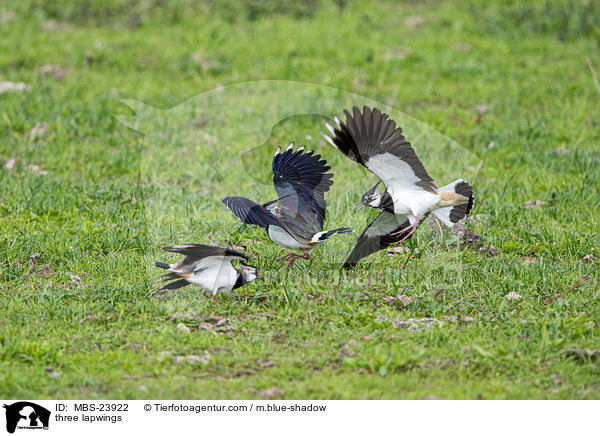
(170, 276)
(452, 214)
(326, 234)
(162, 265)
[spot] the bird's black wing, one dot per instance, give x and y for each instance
(199, 257)
(372, 139)
(200, 251)
(377, 236)
(301, 180)
(250, 212)
(173, 285)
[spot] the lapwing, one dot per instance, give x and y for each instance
(301, 180)
(372, 139)
(208, 267)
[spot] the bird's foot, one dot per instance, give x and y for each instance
(291, 258)
(212, 298)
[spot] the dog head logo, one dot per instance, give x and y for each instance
(26, 415)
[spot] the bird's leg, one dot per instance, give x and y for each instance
(413, 229)
(291, 258)
(408, 235)
(212, 298)
(287, 256)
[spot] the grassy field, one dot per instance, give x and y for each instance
(84, 211)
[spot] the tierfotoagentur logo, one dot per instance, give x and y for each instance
(24, 415)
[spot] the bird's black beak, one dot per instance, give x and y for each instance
(360, 205)
(258, 276)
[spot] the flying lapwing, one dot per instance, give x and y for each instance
(372, 139)
(208, 267)
(301, 180)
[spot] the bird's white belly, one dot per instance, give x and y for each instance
(283, 238)
(414, 202)
(215, 279)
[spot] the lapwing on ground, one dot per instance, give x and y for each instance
(372, 139)
(301, 180)
(208, 267)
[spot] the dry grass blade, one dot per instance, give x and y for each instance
(594, 75)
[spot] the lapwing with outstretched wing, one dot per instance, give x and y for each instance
(208, 267)
(301, 180)
(372, 139)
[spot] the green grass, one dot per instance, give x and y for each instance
(308, 331)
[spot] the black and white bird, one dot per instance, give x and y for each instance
(208, 267)
(301, 180)
(372, 139)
